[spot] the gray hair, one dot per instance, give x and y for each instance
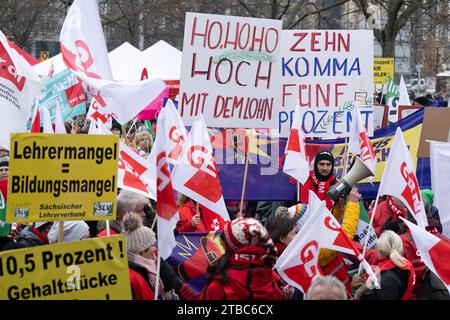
(328, 282)
(128, 201)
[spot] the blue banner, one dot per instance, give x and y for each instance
(193, 254)
(266, 181)
(65, 90)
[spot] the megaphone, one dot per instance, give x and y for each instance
(357, 172)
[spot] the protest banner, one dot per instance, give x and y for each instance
(382, 68)
(65, 90)
(87, 269)
(193, 253)
(266, 181)
(230, 71)
(75, 177)
(322, 72)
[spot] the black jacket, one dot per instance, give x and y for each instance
(29, 238)
(393, 285)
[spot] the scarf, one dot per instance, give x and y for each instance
(321, 188)
(385, 264)
(396, 210)
(40, 235)
(248, 257)
(151, 268)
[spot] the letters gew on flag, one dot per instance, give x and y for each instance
(166, 204)
(173, 131)
(84, 52)
(434, 252)
(298, 265)
(295, 164)
(321, 230)
(135, 173)
(399, 179)
(359, 142)
(195, 175)
(19, 87)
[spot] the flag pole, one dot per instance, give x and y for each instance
(153, 223)
(244, 183)
(298, 191)
(158, 269)
(368, 230)
(61, 232)
(345, 157)
(108, 231)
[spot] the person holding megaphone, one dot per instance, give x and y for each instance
(321, 179)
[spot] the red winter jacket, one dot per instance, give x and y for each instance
(207, 219)
(245, 281)
(385, 210)
(140, 288)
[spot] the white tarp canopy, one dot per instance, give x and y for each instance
(161, 61)
(117, 58)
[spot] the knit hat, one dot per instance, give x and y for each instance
(427, 196)
(4, 162)
(294, 213)
(116, 125)
(73, 231)
(244, 232)
(137, 237)
(323, 155)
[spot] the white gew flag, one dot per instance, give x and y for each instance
(84, 51)
(440, 181)
(135, 173)
(296, 165)
(195, 174)
(434, 252)
(359, 142)
(166, 204)
(19, 87)
(173, 133)
(321, 230)
(59, 122)
(399, 179)
(47, 121)
(298, 265)
(404, 96)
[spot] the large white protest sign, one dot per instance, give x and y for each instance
(230, 71)
(322, 72)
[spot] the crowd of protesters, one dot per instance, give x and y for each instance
(253, 240)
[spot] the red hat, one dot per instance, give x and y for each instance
(244, 232)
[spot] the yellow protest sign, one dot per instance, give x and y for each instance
(382, 68)
(382, 147)
(57, 177)
(87, 269)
